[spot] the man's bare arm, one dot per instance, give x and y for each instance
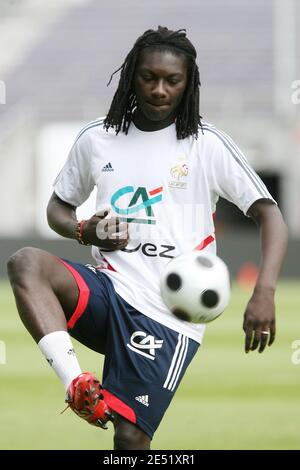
(108, 233)
(61, 217)
(259, 316)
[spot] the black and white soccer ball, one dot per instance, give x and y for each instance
(195, 286)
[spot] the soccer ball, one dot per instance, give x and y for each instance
(195, 286)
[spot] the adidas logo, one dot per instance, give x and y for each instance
(107, 167)
(143, 399)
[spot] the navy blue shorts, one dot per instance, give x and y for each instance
(144, 360)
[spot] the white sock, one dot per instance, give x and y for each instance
(58, 349)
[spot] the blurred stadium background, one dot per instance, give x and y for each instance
(55, 61)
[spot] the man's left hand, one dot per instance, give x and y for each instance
(259, 320)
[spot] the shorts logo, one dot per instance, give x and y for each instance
(144, 399)
(92, 268)
(146, 345)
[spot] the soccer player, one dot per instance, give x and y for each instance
(154, 163)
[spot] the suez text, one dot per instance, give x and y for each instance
(150, 459)
(149, 249)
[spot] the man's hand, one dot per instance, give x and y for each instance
(106, 232)
(259, 320)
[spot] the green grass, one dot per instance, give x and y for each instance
(227, 400)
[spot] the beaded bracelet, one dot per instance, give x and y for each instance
(78, 233)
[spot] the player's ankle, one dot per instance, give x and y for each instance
(58, 350)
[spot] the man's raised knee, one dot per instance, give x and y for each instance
(22, 263)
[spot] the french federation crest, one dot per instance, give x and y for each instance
(179, 173)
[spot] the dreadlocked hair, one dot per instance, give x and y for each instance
(124, 101)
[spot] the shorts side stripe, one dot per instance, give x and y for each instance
(83, 298)
(179, 363)
(173, 362)
(176, 362)
(119, 406)
(182, 362)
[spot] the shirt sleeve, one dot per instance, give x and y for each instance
(230, 175)
(75, 182)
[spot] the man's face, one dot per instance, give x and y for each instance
(160, 82)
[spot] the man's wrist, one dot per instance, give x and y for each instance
(264, 288)
(79, 233)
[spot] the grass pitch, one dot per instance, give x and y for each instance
(227, 400)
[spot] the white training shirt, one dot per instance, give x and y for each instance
(168, 189)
